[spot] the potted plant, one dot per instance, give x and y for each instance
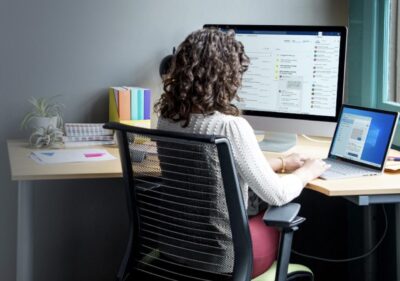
(45, 113)
(43, 137)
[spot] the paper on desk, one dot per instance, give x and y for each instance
(70, 156)
(393, 166)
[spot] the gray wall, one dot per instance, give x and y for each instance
(78, 49)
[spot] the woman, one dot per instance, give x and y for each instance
(199, 88)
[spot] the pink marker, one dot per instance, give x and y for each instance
(90, 155)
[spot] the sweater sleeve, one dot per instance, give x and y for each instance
(254, 169)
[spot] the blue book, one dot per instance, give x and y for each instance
(134, 102)
(147, 104)
(140, 104)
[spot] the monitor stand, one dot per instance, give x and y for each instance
(277, 142)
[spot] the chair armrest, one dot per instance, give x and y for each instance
(284, 216)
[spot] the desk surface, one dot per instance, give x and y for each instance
(387, 183)
(24, 168)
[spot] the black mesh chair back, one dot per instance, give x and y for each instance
(188, 220)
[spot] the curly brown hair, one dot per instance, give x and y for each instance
(204, 77)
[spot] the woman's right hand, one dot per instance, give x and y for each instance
(311, 169)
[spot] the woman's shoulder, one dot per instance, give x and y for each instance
(168, 124)
(232, 125)
(214, 123)
(232, 120)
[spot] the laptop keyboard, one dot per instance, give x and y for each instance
(342, 169)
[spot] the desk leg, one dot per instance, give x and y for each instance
(369, 215)
(25, 232)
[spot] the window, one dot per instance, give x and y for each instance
(373, 66)
(394, 52)
(387, 54)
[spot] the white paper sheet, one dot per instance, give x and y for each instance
(70, 156)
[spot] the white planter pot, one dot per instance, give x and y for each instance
(45, 122)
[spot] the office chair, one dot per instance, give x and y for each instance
(187, 216)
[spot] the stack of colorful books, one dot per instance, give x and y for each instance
(130, 105)
(87, 134)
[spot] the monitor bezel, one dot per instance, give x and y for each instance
(392, 131)
(307, 28)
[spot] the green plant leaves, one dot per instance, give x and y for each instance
(43, 107)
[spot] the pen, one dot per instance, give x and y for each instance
(393, 158)
(90, 155)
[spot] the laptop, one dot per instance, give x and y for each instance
(361, 141)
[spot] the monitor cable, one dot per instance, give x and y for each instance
(352, 258)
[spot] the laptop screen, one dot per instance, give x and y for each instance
(363, 135)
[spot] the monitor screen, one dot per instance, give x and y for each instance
(295, 71)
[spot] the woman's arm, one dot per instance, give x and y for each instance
(255, 169)
(276, 164)
(289, 163)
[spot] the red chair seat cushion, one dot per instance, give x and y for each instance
(265, 242)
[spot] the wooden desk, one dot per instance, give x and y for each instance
(362, 191)
(25, 170)
(375, 186)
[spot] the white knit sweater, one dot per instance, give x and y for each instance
(252, 167)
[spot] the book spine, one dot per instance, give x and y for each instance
(113, 104)
(87, 143)
(140, 107)
(147, 104)
(124, 101)
(86, 129)
(115, 90)
(134, 104)
(87, 138)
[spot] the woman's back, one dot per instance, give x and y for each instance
(253, 169)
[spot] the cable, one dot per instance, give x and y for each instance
(314, 140)
(126, 277)
(353, 258)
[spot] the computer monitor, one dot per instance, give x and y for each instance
(294, 83)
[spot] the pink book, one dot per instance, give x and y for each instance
(124, 104)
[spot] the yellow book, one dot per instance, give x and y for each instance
(113, 105)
